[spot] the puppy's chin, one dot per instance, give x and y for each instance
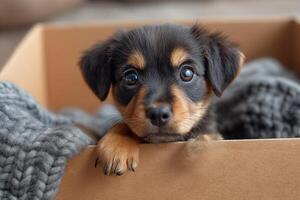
(163, 138)
(165, 134)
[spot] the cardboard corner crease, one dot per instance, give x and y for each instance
(248, 169)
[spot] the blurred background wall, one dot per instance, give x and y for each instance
(17, 16)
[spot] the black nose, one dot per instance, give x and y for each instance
(160, 115)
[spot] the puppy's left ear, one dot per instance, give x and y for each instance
(96, 70)
(223, 60)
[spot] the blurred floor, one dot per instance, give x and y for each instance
(103, 11)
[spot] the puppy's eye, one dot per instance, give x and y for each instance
(186, 73)
(131, 77)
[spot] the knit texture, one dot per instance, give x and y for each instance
(104, 118)
(263, 102)
(36, 144)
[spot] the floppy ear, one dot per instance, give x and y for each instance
(96, 70)
(222, 59)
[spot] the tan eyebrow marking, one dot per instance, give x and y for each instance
(137, 60)
(178, 56)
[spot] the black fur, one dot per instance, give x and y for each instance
(95, 66)
(221, 58)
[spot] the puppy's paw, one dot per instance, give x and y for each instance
(209, 137)
(118, 158)
(194, 146)
(118, 150)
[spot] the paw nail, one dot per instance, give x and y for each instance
(106, 169)
(117, 168)
(119, 173)
(96, 162)
(133, 166)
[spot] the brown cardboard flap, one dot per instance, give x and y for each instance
(261, 169)
(26, 66)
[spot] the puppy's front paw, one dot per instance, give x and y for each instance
(118, 158)
(194, 146)
(209, 137)
(118, 150)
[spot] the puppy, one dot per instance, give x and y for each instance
(162, 78)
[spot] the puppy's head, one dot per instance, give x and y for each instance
(161, 76)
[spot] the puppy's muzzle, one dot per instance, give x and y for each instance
(159, 115)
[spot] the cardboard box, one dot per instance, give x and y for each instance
(45, 64)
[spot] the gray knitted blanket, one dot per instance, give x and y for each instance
(36, 144)
(263, 102)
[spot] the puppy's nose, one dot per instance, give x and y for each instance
(160, 115)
